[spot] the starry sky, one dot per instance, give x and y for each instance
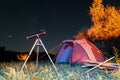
(62, 19)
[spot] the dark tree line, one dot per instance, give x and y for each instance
(8, 56)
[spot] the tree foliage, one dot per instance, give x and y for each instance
(106, 22)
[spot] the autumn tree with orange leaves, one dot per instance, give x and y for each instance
(106, 22)
(105, 29)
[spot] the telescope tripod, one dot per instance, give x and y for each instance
(37, 44)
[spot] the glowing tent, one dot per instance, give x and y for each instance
(78, 52)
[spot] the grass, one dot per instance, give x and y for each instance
(45, 71)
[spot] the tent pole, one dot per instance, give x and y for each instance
(99, 65)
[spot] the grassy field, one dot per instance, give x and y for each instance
(46, 71)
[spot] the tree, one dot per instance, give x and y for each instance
(106, 22)
(105, 29)
(2, 49)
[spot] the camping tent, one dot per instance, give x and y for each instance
(78, 52)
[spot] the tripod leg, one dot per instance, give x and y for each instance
(29, 54)
(47, 54)
(37, 56)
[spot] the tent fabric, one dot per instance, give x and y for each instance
(66, 56)
(78, 52)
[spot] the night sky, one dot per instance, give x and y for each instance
(62, 19)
